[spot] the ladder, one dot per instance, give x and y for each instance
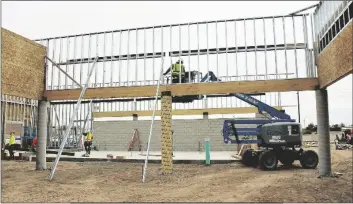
(135, 136)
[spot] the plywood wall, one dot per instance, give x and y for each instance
(335, 61)
(23, 71)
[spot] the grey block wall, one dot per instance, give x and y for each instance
(189, 135)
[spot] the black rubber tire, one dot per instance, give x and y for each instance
(268, 160)
(309, 159)
(246, 158)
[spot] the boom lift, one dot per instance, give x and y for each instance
(278, 136)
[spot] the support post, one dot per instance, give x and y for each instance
(207, 151)
(324, 132)
(166, 122)
(134, 117)
(41, 160)
(205, 115)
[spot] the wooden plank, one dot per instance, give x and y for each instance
(210, 111)
(335, 61)
(23, 70)
(259, 86)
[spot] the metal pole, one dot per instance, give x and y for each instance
(226, 36)
(217, 56)
(274, 40)
(208, 52)
(298, 98)
(59, 74)
(144, 59)
(78, 84)
(180, 53)
(75, 57)
(127, 59)
(96, 70)
(189, 54)
(198, 52)
(285, 46)
(136, 65)
(71, 121)
(264, 26)
(67, 58)
(119, 64)
(246, 51)
(112, 63)
(81, 65)
(153, 116)
(52, 66)
(295, 49)
(153, 58)
(104, 48)
(236, 49)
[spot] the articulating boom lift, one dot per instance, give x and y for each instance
(278, 136)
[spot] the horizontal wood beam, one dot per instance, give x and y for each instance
(210, 111)
(259, 86)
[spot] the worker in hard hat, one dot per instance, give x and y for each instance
(34, 144)
(178, 72)
(88, 142)
(11, 145)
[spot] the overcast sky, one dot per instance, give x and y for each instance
(48, 19)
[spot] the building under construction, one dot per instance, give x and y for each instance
(121, 73)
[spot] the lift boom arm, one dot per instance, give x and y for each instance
(274, 113)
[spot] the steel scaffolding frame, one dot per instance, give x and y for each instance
(230, 48)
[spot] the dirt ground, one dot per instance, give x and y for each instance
(121, 182)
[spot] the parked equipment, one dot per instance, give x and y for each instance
(278, 137)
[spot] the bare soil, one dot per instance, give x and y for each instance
(121, 182)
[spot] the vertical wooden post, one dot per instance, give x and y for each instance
(166, 123)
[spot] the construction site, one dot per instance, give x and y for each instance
(202, 111)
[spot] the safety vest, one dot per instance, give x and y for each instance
(89, 137)
(12, 139)
(176, 70)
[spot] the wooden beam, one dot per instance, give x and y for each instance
(335, 61)
(210, 111)
(280, 85)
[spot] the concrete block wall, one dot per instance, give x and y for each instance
(189, 135)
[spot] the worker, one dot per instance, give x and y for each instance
(34, 144)
(11, 145)
(178, 72)
(88, 142)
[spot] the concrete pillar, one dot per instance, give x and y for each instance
(167, 140)
(135, 117)
(205, 115)
(323, 127)
(41, 163)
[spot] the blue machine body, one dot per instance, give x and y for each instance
(29, 132)
(229, 125)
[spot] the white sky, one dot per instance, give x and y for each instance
(48, 19)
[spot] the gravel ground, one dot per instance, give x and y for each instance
(121, 182)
